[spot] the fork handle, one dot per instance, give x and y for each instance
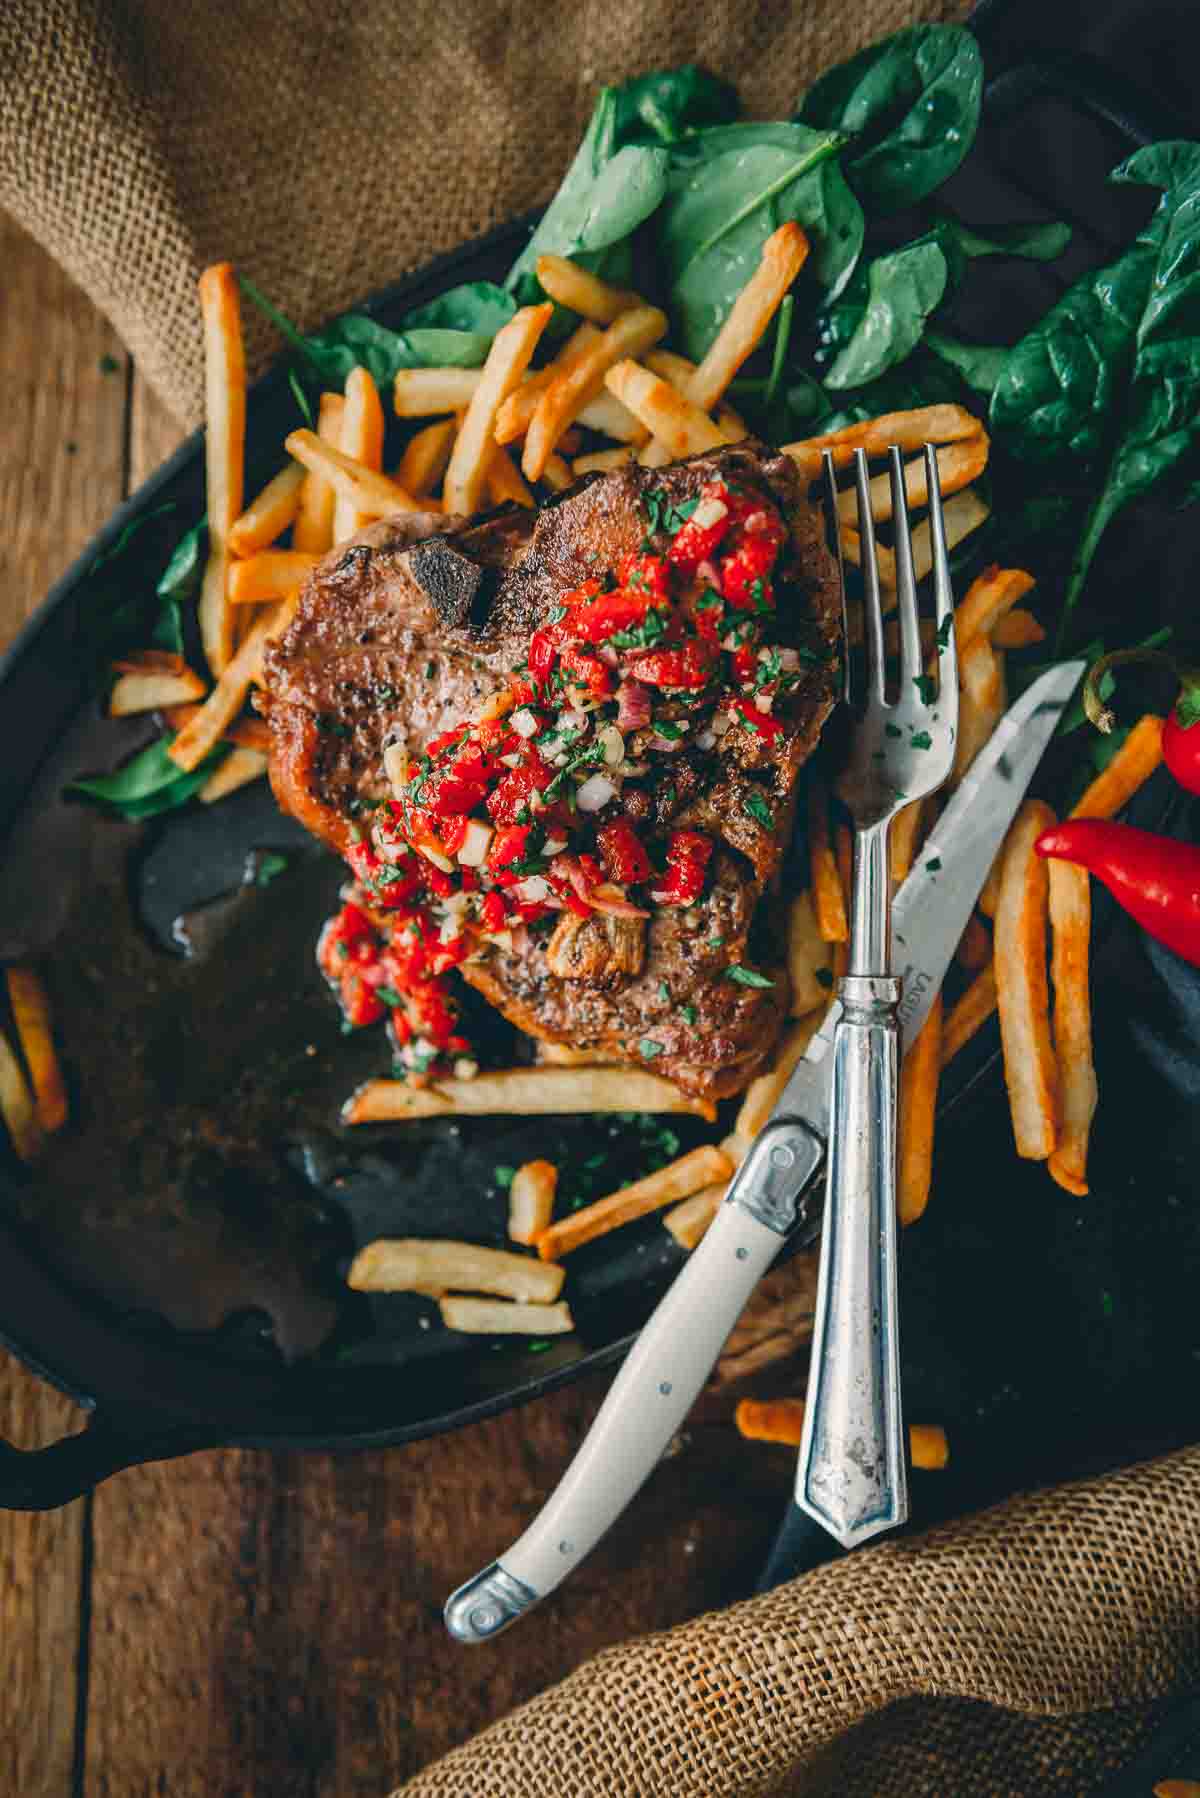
(853, 1475)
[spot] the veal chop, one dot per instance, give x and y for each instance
(596, 850)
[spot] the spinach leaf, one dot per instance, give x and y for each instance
(178, 583)
(149, 783)
(730, 188)
(477, 306)
(923, 380)
(122, 616)
(911, 103)
(669, 104)
(903, 288)
(1037, 243)
(980, 365)
(628, 189)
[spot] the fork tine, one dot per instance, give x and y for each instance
(943, 597)
(872, 602)
(834, 534)
(906, 585)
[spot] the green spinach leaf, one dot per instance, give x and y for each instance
(980, 365)
(479, 307)
(912, 105)
(149, 783)
(178, 584)
(669, 104)
(627, 190)
(923, 380)
(903, 288)
(1036, 243)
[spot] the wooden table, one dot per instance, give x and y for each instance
(252, 1623)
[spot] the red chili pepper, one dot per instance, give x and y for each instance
(1181, 738)
(762, 722)
(1154, 878)
(608, 613)
(587, 671)
(622, 852)
(686, 669)
(699, 535)
(542, 653)
(688, 856)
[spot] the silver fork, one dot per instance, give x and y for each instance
(853, 1475)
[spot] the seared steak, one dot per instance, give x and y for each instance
(406, 631)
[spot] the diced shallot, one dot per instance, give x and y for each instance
(475, 844)
(524, 723)
(613, 744)
(554, 846)
(595, 793)
(633, 705)
(532, 890)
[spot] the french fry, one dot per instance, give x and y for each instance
(425, 457)
(918, 1104)
(601, 461)
(679, 371)
(239, 768)
(313, 529)
(782, 1420)
(1070, 928)
(980, 701)
(903, 838)
(507, 360)
(527, 1092)
(678, 1180)
(361, 438)
(906, 430)
(531, 1200)
(562, 1055)
(370, 493)
(884, 559)
(205, 730)
(681, 428)
(429, 392)
(31, 1015)
(829, 898)
(987, 600)
(1030, 1068)
(809, 972)
(244, 733)
(989, 892)
(963, 513)
(268, 516)
(418, 1264)
(505, 482)
(224, 451)
(783, 256)
(844, 856)
(17, 1105)
(513, 418)
(270, 575)
(609, 418)
(975, 945)
(969, 1013)
(497, 1317)
(689, 1220)
(759, 1098)
(1018, 630)
(556, 475)
(631, 334)
(1133, 764)
(150, 680)
(1176, 1788)
(958, 465)
(582, 292)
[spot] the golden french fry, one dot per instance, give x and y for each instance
(969, 1013)
(1133, 764)
(981, 701)
(632, 333)
(270, 575)
(417, 1264)
(783, 256)
(268, 516)
(829, 898)
(963, 513)
(17, 1105)
(680, 428)
(224, 451)
(736, 1146)
(844, 856)
(919, 1074)
(531, 1200)
(313, 529)
(975, 945)
(31, 1015)
(928, 1447)
(958, 465)
(513, 418)
(498, 1317)
(204, 731)
(360, 437)
(989, 893)
(425, 457)
(987, 600)
(1176, 1788)
(1018, 630)
(809, 971)
(689, 1220)
(150, 680)
(428, 392)
(601, 461)
(1070, 930)
(507, 360)
(505, 482)
(584, 293)
(678, 1180)
(1030, 1068)
(368, 492)
(782, 1420)
(557, 474)
(246, 732)
(906, 430)
(679, 371)
(609, 418)
(239, 768)
(885, 561)
(759, 1098)
(903, 838)
(521, 1092)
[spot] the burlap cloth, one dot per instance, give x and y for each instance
(327, 146)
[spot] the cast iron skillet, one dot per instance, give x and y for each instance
(164, 1284)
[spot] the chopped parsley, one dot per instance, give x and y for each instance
(893, 730)
(664, 991)
(648, 1048)
(757, 808)
(943, 631)
(329, 726)
(388, 996)
(108, 364)
(662, 515)
(537, 1348)
(746, 976)
(925, 687)
(643, 635)
(688, 1013)
(824, 977)
(269, 866)
(933, 865)
(430, 670)
(920, 739)
(503, 1176)
(665, 728)
(709, 600)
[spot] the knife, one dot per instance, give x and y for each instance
(774, 1195)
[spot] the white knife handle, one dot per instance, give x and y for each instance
(852, 1476)
(656, 1387)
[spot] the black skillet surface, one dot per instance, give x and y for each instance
(179, 1265)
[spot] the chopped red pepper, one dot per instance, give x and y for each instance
(623, 853)
(686, 669)
(586, 671)
(509, 848)
(762, 722)
(609, 613)
(459, 786)
(688, 855)
(360, 1003)
(710, 523)
(745, 662)
(491, 912)
(511, 795)
(346, 937)
(645, 573)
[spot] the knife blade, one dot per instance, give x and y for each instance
(772, 1196)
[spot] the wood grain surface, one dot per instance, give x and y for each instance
(270, 1624)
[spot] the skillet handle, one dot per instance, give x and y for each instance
(42, 1479)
